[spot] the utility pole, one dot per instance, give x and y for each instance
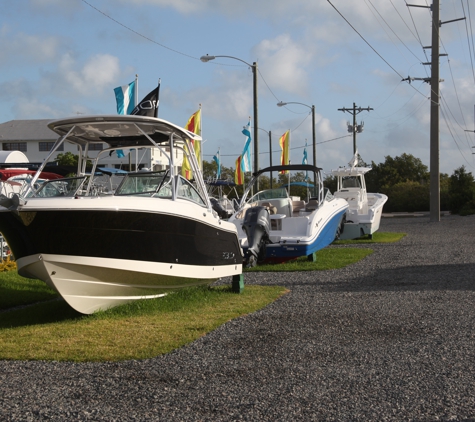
(434, 110)
(355, 128)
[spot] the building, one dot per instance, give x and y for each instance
(34, 139)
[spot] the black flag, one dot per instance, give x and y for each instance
(149, 105)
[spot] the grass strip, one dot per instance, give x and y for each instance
(378, 237)
(139, 330)
(327, 259)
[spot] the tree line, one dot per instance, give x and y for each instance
(404, 179)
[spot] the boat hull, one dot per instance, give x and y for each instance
(89, 284)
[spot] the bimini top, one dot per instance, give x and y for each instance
(289, 167)
(119, 130)
(349, 171)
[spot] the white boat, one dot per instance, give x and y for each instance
(155, 233)
(365, 209)
(275, 227)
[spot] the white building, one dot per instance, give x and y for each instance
(34, 139)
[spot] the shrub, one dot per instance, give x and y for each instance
(7, 264)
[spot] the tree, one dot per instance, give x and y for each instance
(396, 170)
(67, 159)
(461, 189)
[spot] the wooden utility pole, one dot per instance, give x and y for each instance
(354, 111)
(434, 109)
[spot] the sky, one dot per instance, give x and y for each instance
(61, 58)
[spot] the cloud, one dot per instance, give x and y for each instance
(27, 48)
(100, 72)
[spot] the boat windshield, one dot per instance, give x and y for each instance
(146, 184)
(71, 186)
(269, 194)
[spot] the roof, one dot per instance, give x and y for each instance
(26, 130)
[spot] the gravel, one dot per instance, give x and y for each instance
(390, 338)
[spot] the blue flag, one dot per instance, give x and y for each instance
(125, 97)
(218, 162)
(246, 152)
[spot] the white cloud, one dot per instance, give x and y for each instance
(99, 72)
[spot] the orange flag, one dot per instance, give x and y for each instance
(193, 125)
(284, 142)
(239, 175)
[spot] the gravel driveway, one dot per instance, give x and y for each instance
(391, 338)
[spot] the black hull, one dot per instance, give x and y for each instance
(132, 235)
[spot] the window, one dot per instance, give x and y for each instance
(95, 147)
(14, 146)
(48, 146)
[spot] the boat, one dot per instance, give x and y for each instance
(275, 227)
(220, 191)
(363, 216)
(155, 233)
(14, 179)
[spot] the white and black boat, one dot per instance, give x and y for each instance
(155, 233)
(274, 226)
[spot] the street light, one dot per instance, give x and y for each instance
(314, 146)
(253, 66)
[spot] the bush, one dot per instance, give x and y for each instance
(468, 208)
(7, 264)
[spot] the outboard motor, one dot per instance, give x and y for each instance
(218, 208)
(256, 225)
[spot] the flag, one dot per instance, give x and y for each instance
(149, 105)
(246, 152)
(354, 161)
(218, 162)
(239, 175)
(305, 160)
(193, 125)
(284, 142)
(125, 98)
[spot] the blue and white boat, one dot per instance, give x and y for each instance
(276, 227)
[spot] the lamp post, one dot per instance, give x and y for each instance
(253, 66)
(314, 145)
(270, 151)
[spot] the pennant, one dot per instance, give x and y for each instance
(354, 161)
(149, 105)
(305, 160)
(218, 162)
(193, 125)
(284, 142)
(125, 98)
(239, 175)
(246, 152)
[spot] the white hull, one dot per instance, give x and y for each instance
(89, 284)
(363, 216)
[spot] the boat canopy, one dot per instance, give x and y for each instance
(348, 171)
(12, 172)
(289, 167)
(120, 131)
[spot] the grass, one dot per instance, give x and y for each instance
(17, 291)
(140, 330)
(378, 237)
(327, 259)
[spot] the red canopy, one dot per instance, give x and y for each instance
(7, 173)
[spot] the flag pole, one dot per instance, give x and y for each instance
(136, 99)
(201, 142)
(158, 97)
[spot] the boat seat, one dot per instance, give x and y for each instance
(272, 209)
(297, 206)
(312, 205)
